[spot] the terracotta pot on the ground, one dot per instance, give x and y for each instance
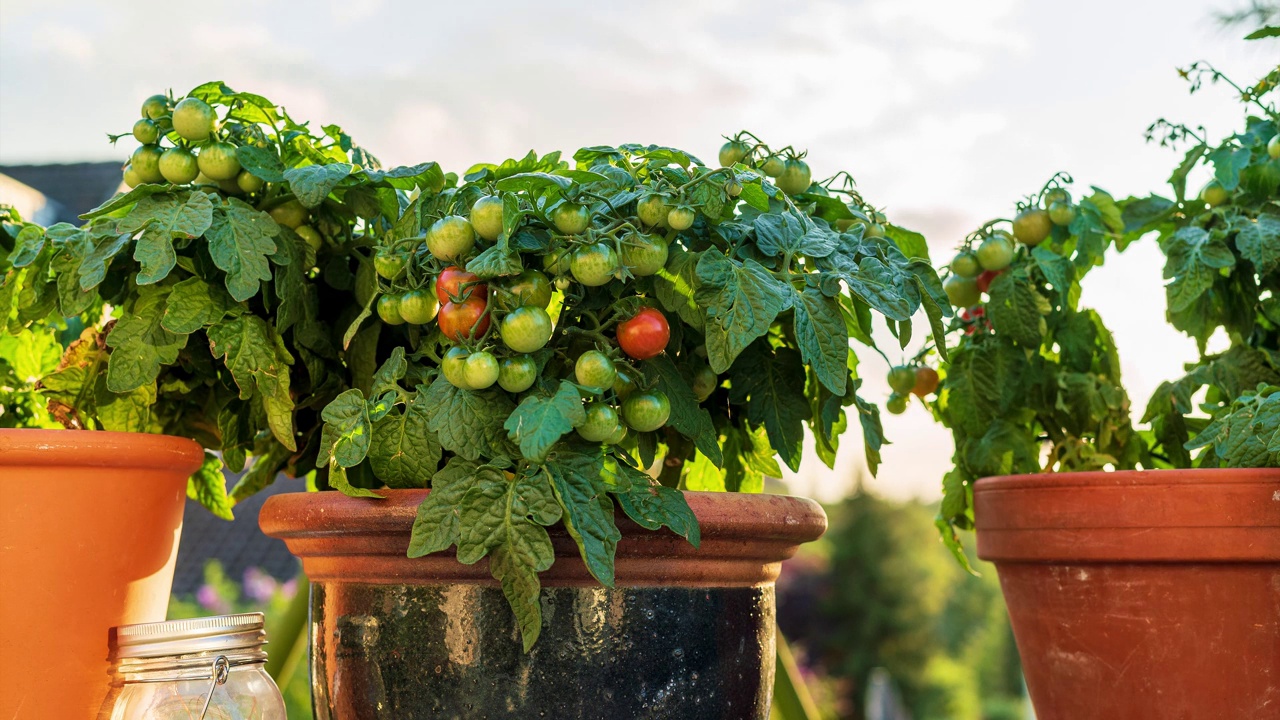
(1141, 595)
(89, 525)
(685, 633)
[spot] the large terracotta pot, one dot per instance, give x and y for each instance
(685, 634)
(1140, 595)
(89, 525)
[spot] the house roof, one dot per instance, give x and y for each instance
(75, 187)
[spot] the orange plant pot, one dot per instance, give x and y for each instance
(89, 526)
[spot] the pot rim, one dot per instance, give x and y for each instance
(1127, 478)
(97, 448)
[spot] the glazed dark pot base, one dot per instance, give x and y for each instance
(450, 652)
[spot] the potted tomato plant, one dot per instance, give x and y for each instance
(1151, 581)
(200, 296)
(531, 363)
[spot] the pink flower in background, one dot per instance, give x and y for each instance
(289, 589)
(210, 600)
(259, 586)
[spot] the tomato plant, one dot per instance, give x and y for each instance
(543, 326)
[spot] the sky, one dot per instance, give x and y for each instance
(946, 112)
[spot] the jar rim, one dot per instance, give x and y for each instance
(184, 637)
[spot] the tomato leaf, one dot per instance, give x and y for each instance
(741, 301)
(880, 285)
(1194, 258)
(254, 354)
(1013, 310)
(588, 511)
(162, 219)
(770, 383)
(345, 440)
(119, 202)
(821, 334)
(466, 422)
(404, 452)
(311, 184)
(911, 243)
(27, 246)
(436, 526)
(687, 416)
(1259, 243)
(208, 486)
(654, 506)
(422, 175)
(140, 342)
(539, 421)
(240, 239)
(194, 304)
(676, 286)
(94, 264)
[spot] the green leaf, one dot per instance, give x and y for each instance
(881, 286)
(436, 526)
(262, 473)
(1142, 214)
(208, 487)
(821, 334)
(1269, 31)
(755, 196)
(93, 267)
(1057, 270)
(911, 243)
(311, 184)
(653, 506)
(934, 300)
(539, 421)
(140, 343)
(1193, 259)
(422, 175)
(261, 163)
(588, 511)
(388, 377)
(687, 416)
(872, 431)
(741, 301)
(497, 261)
(347, 431)
(1259, 243)
(404, 452)
(240, 239)
(1004, 449)
(1227, 162)
(466, 422)
(162, 219)
(532, 182)
(27, 246)
(119, 202)
(254, 354)
(770, 383)
(787, 234)
(194, 304)
(677, 284)
(1013, 310)
(125, 412)
(339, 481)
(748, 460)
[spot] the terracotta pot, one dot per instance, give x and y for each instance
(89, 525)
(685, 633)
(1141, 594)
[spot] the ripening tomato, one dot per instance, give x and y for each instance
(146, 132)
(389, 309)
(643, 254)
(456, 284)
(389, 263)
(595, 370)
(193, 119)
(571, 218)
(486, 217)
(652, 210)
(1213, 194)
(984, 280)
(1273, 147)
(644, 335)
(1062, 213)
(131, 177)
(594, 265)
(557, 261)
(146, 163)
(600, 424)
(418, 307)
(995, 253)
(733, 152)
(926, 381)
(451, 237)
(517, 374)
(681, 218)
(618, 435)
(248, 182)
(218, 161)
(646, 411)
(155, 107)
(530, 287)
(454, 367)
(966, 265)
(795, 177)
(1032, 226)
(526, 329)
(178, 166)
(623, 385)
(466, 319)
(962, 291)
(1055, 195)
(773, 166)
(480, 370)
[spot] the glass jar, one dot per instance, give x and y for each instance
(211, 668)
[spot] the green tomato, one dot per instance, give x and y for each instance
(795, 177)
(193, 119)
(681, 218)
(595, 370)
(178, 166)
(962, 291)
(218, 161)
(388, 263)
(733, 187)
(647, 411)
(618, 435)
(556, 261)
(451, 237)
(1273, 147)
(966, 265)
(705, 382)
(248, 182)
(733, 152)
(529, 288)
(486, 217)
(389, 310)
(454, 367)
(897, 404)
(644, 254)
(571, 218)
(146, 132)
(995, 253)
(623, 385)
(309, 234)
(290, 213)
(1213, 194)
(873, 230)
(1032, 226)
(773, 166)
(1055, 195)
(155, 107)
(517, 374)
(594, 265)
(652, 210)
(902, 379)
(131, 177)
(419, 307)
(481, 370)
(526, 329)
(146, 163)
(600, 424)
(1061, 213)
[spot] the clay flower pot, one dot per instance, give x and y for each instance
(1141, 594)
(686, 633)
(89, 527)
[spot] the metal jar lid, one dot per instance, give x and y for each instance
(184, 637)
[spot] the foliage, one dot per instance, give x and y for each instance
(276, 294)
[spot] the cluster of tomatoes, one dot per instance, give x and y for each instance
(202, 155)
(789, 170)
(465, 308)
(907, 380)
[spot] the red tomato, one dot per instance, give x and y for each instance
(464, 319)
(644, 335)
(984, 280)
(449, 285)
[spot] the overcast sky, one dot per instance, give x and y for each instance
(945, 112)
